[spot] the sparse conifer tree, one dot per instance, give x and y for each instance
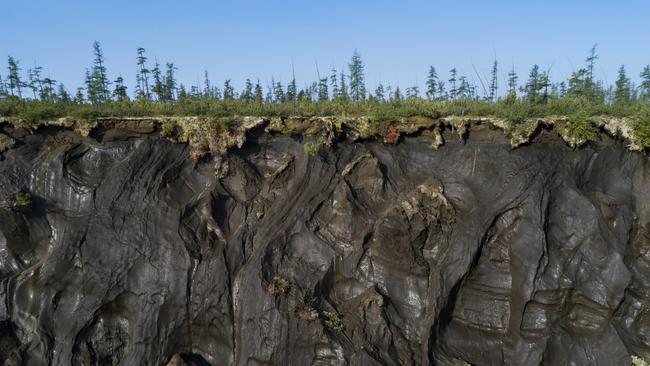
(247, 93)
(494, 85)
(357, 79)
(343, 88)
(397, 96)
(98, 78)
(119, 93)
(3, 87)
(380, 93)
(142, 76)
(158, 87)
(432, 83)
(453, 92)
(278, 92)
(62, 94)
(48, 92)
(512, 86)
(623, 91)
(207, 89)
(442, 93)
(182, 92)
(323, 94)
(170, 83)
(292, 92)
(228, 90)
(334, 84)
(258, 97)
(14, 84)
(645, 83)
(35, 82)
(413, 92)
(79, 96)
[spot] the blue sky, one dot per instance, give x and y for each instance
(397, 40)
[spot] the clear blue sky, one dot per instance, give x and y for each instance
(261, 38)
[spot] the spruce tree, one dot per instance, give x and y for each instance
(269, 92)
(119, 93)
(357, 83)
(292, 92)
(3, 88)
(645, 83)
(322, 89)
(99, 79)
(380, 93)
(591, 90)
(442, 93)
(453, 92)
(562, 89)
(397, 96)
(591, 62)
(182, 92)
(207, 89)
(79, 96)
(334, 84)
(343, 88)
(91, 94)
(432, 83)
(35, 81)
(247, 93)
(170, 83)
(228, 90)
(14, 82)
(258, 97)
(278, 92)
(537, 82)
(48, 92)
(512, 86)
(142, 77)
(62, 94)
(413, 92)
(623, 91)
(463, 90)
(494, 92)
(158, 87)
(577, 83)
(194, 92)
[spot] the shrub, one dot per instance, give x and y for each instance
(278, 286)
(306, 310)
(580, 126)
(641, 127)
(306, 313)
(20, 200)
(169, 129)
(332, 321)
(311, 148)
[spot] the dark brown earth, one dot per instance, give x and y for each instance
(133, 253)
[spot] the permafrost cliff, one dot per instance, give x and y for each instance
(125, 248)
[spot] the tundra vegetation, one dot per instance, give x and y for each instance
(31, 97)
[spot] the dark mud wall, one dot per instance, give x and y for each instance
(132, 253)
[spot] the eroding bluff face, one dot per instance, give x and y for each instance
(133, 253)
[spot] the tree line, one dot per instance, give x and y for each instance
(156, 84)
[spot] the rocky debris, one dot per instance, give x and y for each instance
(131, 252)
